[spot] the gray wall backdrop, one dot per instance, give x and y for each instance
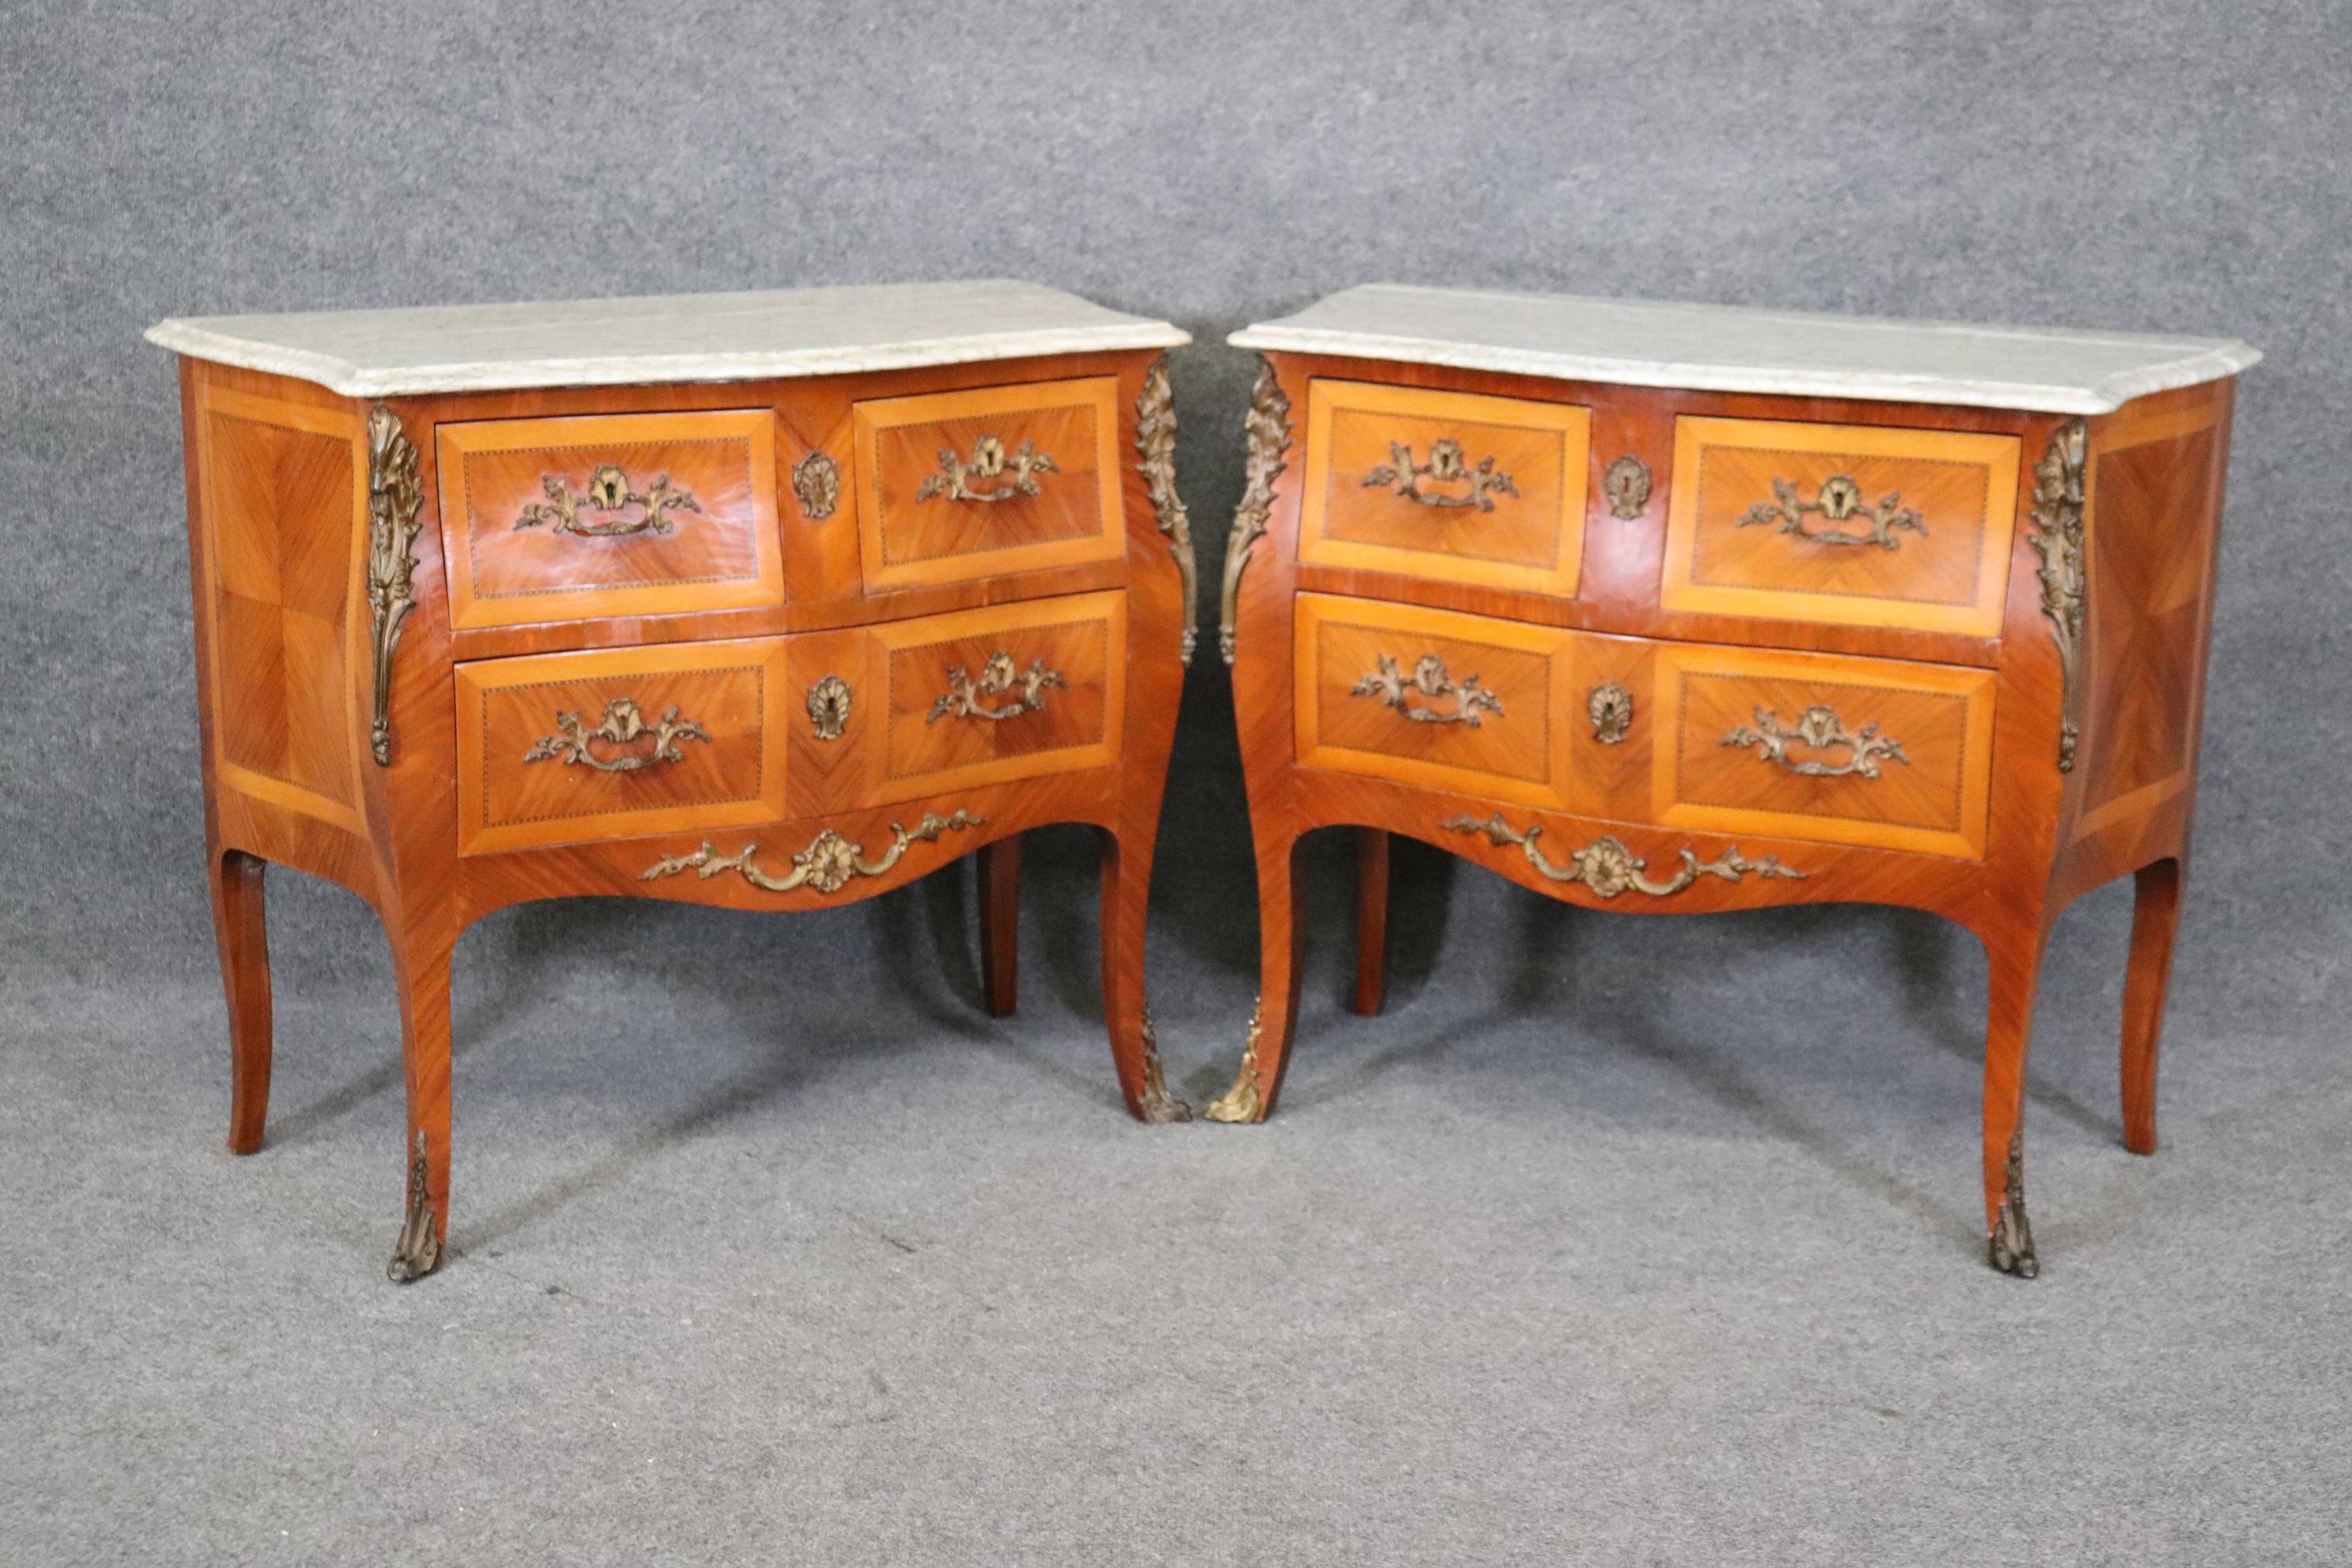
(2139, 165)
(2170, 167)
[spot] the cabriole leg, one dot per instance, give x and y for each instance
(2156, 918)
(1252, 1097)
(422, 971)
(243, 938)
(1000, 924)
(1371, 919)
(2009, 1032)
(1134, 1047)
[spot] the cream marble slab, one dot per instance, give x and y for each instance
(1722, 348)
(664, 338)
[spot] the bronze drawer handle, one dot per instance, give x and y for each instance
(1609, 868)
(829, 864)
(987, 461)
(1445, 466)
(608, 491)
(1820, 729)
(1429, 679)
(624, 723)
(1838, 500)
(962, 697)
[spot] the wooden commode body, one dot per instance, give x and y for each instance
(770, 601)
(1676, 609)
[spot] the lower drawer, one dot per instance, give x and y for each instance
(1885, 753)
(568, 748)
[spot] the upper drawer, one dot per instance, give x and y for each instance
(630, 514)
(957, 486)
(568, 747)
(1875, 752)
(1445, 485)
(1856, 524)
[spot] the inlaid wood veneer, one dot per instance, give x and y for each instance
(1772, 609)
(767, 600)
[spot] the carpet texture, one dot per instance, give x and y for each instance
(1612, 1241)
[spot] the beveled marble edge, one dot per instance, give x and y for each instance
(340, 375)
(2213, 359)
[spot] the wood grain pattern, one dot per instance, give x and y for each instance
(1947, 572)
(730, 772)
(1932, 799)
(1529, 537)
(719, 551)
(282, 530)
(1074, 722)
(1517, 750)
(1986, 831)
(397, 842)
(910, 537)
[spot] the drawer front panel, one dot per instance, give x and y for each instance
(1849, 524)
(983, 696)
(1434, 698)
(1445, 485)
(957, 485)
(635, 515)
(570, 747)
(1847, 751)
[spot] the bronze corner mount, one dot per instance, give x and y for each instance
(1155, 446)
(395, 499)
(1267, 433)
(2057, 540)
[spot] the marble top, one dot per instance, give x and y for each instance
(1722, 348)
(664, 338)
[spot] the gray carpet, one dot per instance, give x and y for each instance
(1614, 1241)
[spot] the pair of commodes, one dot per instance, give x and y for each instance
(783, 599)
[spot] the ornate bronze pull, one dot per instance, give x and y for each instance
(1838, 500)
(1609, 868)
(608, 491)
(987, 461)
(1429, 679)
(1445, 466)
(624, 723)
(393, 499)
(1611, 709)
(963, 693)
(1626, 483)
(828, 707)
(1820, 729)
(829, 864)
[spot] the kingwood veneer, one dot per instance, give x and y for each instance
(1679, 609)
(768, 601)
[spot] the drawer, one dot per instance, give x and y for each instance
(1445, 485)
(1851, 524)
(982, 697)
(1433, 698)
(957, 485)
(633, 514)
(1871, 751)
(568, 747)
